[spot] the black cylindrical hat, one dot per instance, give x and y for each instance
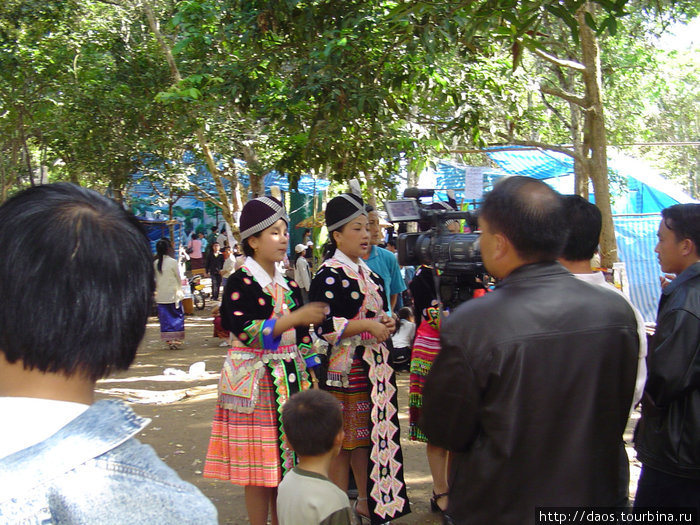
(259, 214)
(342, 209)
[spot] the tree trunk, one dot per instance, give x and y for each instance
(581, 173)
(201, 139)
(412, 178)
(255, 172)
(236, 201)
(595, 136)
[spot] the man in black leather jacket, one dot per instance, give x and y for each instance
(532, 388)
(668, 435)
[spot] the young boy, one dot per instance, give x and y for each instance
(313, 423)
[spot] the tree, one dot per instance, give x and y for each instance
(82, 80)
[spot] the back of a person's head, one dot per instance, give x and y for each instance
(530, 214)
(684, 221)
(584, 222)
(312, 419)
(76, 281)
(162, 247)
(405, 313)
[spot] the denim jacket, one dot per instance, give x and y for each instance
(94, 471)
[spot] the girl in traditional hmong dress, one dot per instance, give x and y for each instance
(426, 347)
(169, 295)
(267, 363)
(359, 372)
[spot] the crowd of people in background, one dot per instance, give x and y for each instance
(522, 395)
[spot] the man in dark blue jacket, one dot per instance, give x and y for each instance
(668, 435)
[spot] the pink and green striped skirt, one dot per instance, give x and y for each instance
(425, 349)
(244, 448)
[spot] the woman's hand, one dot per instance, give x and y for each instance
(389, 322)
(312, 313)
(379, 330)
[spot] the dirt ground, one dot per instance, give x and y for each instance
(181, 408)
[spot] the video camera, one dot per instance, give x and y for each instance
(456, 255)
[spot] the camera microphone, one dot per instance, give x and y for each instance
(416, 193)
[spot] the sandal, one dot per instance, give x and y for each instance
(434, 502)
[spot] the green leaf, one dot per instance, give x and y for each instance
(590, 21)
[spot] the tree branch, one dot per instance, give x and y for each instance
(561, 62)
(535, 144)
(205, 194)
(569, 97)
(556, 113)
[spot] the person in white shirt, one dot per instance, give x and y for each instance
(229, 266)
(169, 296)
(585, 223)
(403, 340)
(302, 272)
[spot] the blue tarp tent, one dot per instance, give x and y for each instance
(156, 230)
(142, 186)
(638, 195)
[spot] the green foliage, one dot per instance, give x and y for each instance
(343, 89)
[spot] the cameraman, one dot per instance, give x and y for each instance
(532, 387)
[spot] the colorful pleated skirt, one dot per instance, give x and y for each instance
(244, 448)
(355, 399)
(425, 349)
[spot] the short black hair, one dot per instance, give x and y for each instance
(312, 419)
(584, 222)
(530, 214)
(76, 281)
(684, 221)
(369, 208)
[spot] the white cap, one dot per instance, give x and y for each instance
(299, 248)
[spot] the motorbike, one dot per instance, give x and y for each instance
(197, 290)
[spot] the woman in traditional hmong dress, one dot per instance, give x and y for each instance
(426, 347)
(359, 372)
(169, 295)
(267, 363)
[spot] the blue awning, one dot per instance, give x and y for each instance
(638, 188)
(532, 162)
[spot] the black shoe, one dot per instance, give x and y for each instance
(434, 502)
